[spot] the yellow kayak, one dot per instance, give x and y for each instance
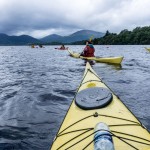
(148, 49)
(77, 129)
(111, 60)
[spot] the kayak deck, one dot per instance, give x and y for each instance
(111, 60)
(77, 129)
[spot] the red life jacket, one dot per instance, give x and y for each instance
(89, 51)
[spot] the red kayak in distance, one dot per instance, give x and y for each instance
(62, 48)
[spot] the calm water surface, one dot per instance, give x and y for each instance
(37, 87)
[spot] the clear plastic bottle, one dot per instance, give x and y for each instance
(103, 138)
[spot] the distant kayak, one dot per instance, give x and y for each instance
(62, 48)
(94, 103)
(111, 60)
(148, 49)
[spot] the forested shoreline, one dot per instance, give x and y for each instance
(138, 36)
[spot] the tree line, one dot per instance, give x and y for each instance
(138, 36)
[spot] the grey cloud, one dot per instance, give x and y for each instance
(36, 16)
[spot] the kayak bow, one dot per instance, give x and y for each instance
(148, 49)
(77, 129)
(111, 60)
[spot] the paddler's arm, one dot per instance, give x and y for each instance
(81, 54)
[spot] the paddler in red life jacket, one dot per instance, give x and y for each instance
(88, 50)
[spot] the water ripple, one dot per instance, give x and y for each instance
(38, 85)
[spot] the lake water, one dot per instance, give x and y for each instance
(37, 86)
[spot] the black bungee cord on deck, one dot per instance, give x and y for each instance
(123, 139)
(112, 133)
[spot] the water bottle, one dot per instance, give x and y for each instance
(103, 138)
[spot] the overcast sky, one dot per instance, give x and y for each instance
(39, 18)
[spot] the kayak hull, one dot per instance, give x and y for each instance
(77, 129)
(62, 49)
(111, 60)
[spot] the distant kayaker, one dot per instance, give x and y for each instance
(62, 47)
(88, 50)
(32, 46)
(40, 45)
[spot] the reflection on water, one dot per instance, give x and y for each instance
(37, 87)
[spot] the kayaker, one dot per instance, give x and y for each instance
(32, 46)
(88, 50)
(62, 47)
(40, 45)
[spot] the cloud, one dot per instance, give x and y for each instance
(40, 18)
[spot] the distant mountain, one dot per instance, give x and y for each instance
(77, 36)
(17, 40)
(51, 39)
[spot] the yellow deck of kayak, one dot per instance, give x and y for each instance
(77, 129)
(148, 49)
(112, 60)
